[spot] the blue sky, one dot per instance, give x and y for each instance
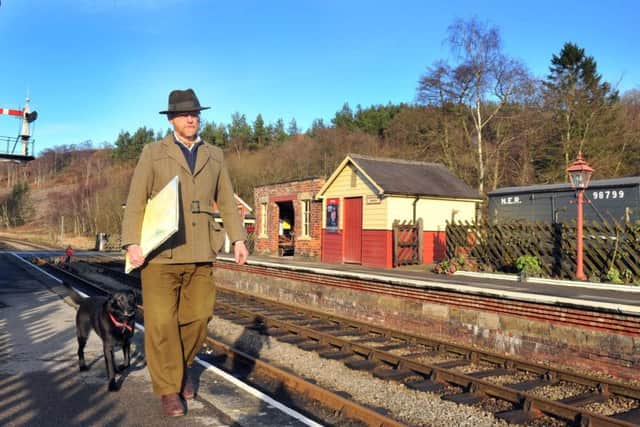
(96, 67)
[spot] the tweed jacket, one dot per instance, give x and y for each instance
(199, 237)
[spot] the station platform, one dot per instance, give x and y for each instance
(624, 299)
(574, 325)
(594, 326)
(40, 384)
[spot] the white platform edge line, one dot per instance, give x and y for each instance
(619, 308)
(292, 413)
(230, 378)
(252, 391)
(554, 282)
(36, 267)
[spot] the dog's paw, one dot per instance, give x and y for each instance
(113, 385)
(84, 368)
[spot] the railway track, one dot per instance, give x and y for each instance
(328, 406)
(461, 374)
(528, 392)
(9, 243)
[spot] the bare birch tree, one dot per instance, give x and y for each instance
(483, 79)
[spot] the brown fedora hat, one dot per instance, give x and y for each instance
(183, 101)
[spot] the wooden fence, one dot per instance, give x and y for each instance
(609, 247)
(407, 242)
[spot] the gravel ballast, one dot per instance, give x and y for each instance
(409, 406)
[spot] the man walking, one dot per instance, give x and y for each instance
(177, 278)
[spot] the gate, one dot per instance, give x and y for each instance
(407, 242)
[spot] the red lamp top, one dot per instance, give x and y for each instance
(580, 173)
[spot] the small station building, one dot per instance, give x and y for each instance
(365, 195)
(289, 218)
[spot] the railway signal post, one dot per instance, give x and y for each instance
(27, 117)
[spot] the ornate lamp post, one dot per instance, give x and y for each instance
(580, 174)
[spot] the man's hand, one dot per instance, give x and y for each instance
(135, 255)
(240, 252)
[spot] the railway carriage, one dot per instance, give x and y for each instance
(606, 200)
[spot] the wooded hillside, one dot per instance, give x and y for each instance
(482, 115)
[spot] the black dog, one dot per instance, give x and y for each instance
(113, 319)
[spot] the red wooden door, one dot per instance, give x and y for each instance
(353, 230)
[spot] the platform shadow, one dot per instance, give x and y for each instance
(39, 376)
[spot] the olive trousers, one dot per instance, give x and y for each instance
(178, 304)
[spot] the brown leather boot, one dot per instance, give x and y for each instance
(172, 405)
(188, 390)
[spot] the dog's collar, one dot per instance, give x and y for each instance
(119, 324)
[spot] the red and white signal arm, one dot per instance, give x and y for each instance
(10, 112)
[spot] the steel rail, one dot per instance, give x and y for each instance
(36, 246)
(470, 353)
(290, 382)
(528, 404)
(294, 384)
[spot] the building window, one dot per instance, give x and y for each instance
(306, 217)
(354, 176)
(263, 219)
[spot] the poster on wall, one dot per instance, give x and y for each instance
(332, 214)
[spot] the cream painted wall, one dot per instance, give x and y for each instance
(375, 215)
(434, 212)
(341, 186)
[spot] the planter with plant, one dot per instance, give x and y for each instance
(528, 266)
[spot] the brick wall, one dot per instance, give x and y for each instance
(266, 243)
(539, 333)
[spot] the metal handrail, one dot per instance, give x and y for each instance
(12, 142)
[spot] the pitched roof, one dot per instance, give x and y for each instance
(404, 177)
(242, 202)
(239, 201)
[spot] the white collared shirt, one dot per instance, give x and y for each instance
(189, 147)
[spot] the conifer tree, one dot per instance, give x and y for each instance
(575, 92)
(293, 129)
(260, 137)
